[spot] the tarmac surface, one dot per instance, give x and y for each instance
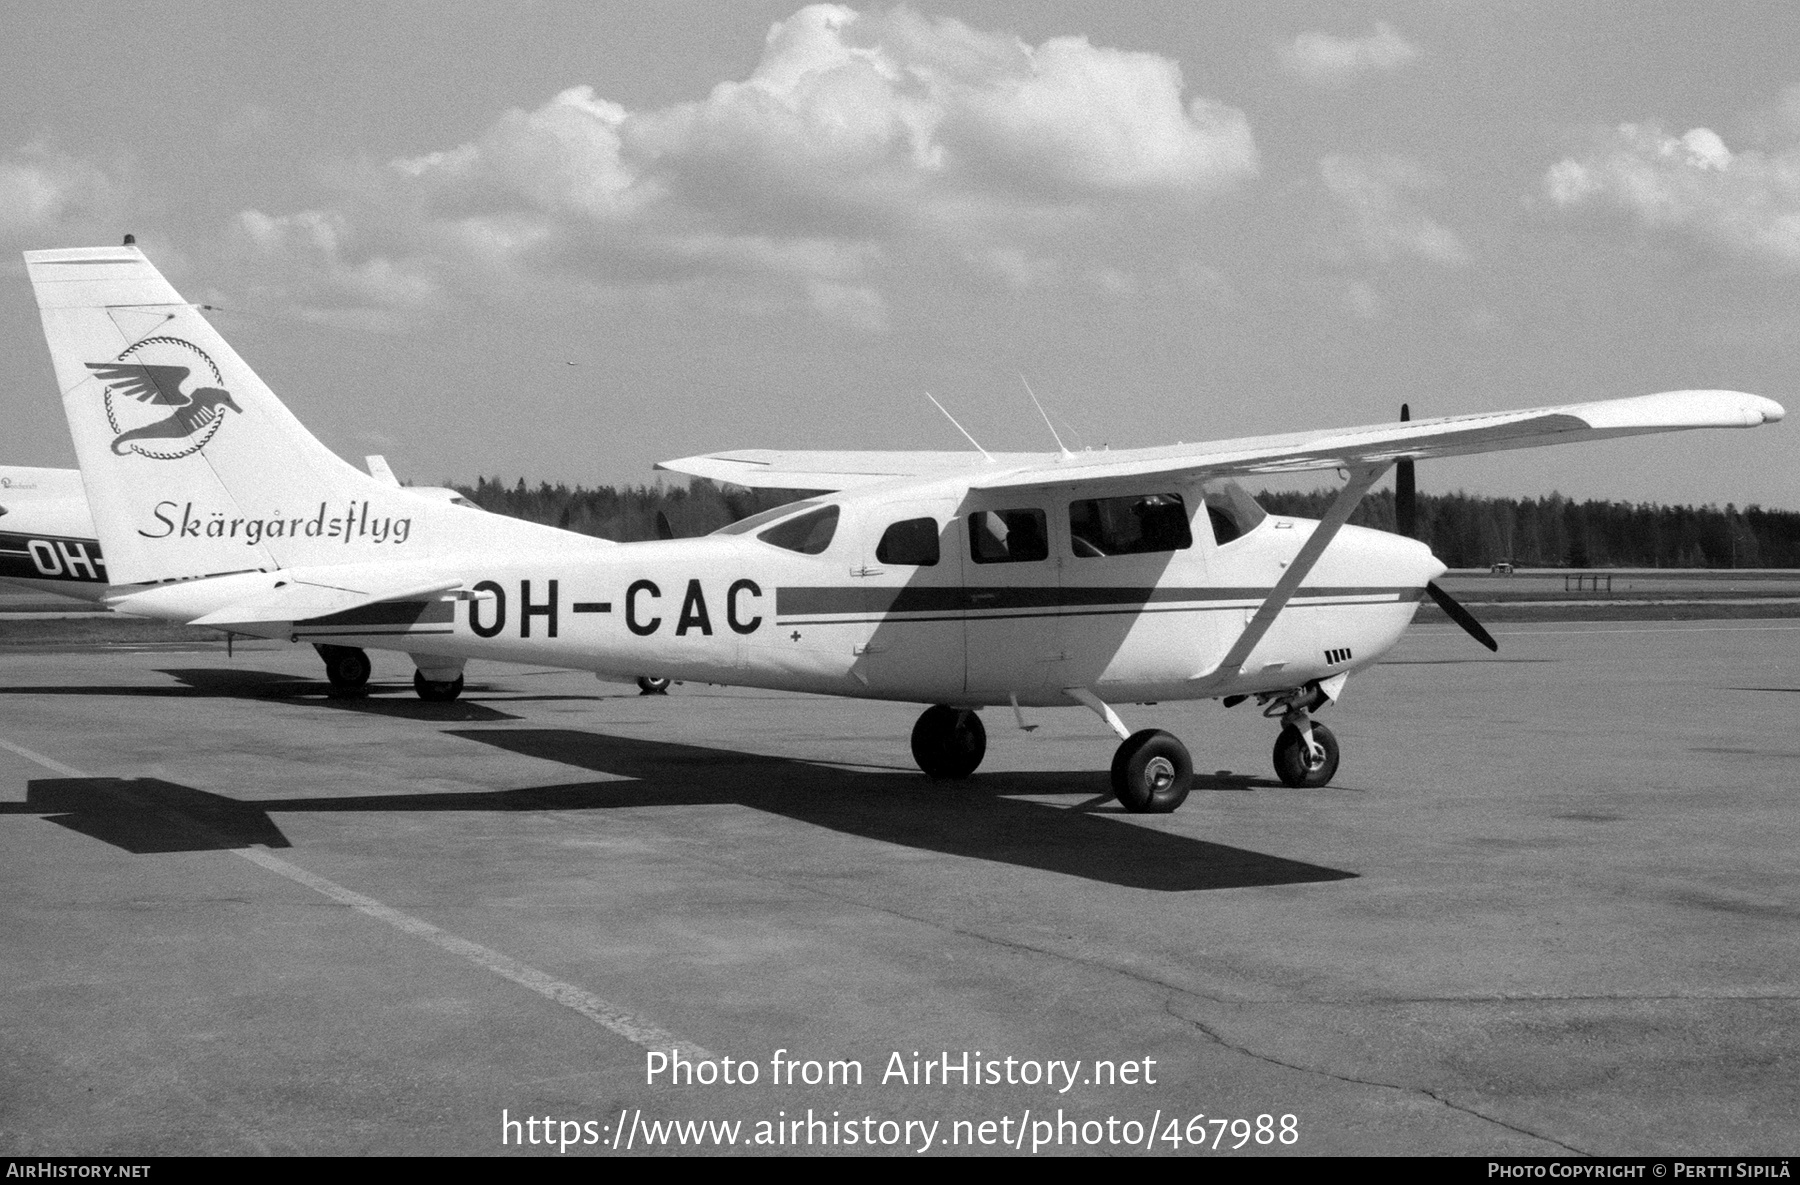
(1548, 907)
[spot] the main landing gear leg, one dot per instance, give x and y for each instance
(1151, 771)
(347, 667)
(948, 742)
(438, 680)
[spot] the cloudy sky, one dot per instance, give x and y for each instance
(565, 240)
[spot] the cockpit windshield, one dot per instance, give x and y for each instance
(1234, 513)
(808, 534)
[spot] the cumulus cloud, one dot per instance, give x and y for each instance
(1382, 216)
(1746, 202)
(43, 191)
(856, 138)
(323, 280)
(1321, 59)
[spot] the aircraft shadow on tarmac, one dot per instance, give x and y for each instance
(148, 815)
(395, 700)
(980, 818)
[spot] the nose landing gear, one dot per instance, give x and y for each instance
(1306, 754)
(1302, 766)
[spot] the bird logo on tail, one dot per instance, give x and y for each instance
(151, 372)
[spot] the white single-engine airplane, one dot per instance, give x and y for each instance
(959, 580)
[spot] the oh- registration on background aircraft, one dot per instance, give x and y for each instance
(956, 580)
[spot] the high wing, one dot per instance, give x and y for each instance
(822, 470)
(1327, 448)
(146, 383)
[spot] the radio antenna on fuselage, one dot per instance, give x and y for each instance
(959, 427)
(1060, 446)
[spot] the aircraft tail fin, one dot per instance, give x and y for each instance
(192, 466)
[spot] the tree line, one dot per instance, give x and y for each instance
(1465, 530)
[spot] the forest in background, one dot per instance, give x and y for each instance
(1465, 530)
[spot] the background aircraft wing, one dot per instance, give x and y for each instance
(802, 469)
(1445, 436)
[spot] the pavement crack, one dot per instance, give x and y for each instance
(1435, 1096)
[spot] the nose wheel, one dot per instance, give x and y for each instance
(1304, 767)
(1152, 772)
(948, 742)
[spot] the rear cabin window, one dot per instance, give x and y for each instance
(808, 534)
(1131, 525)
(745, 525)
(913, 542)
(1008, 536)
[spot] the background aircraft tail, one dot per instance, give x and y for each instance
(192, 466)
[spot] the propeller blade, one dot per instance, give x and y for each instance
(1460, 616)
(1406, 519)
(663, 529)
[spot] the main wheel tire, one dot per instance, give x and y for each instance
(948, 742)
(1152, 772)
(653, 685)
(1296, 768)
(347, 667)
(435, 691)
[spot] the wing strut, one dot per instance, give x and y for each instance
(1361, 478)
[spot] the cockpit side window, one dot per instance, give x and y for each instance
(1233, 512)
(1008, 536)
(1132, 525)
(913, 542)
(808, 534)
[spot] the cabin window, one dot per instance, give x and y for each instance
(808, 534)
(745, 525)
(1233, 512)
(1131, 525)
(913, 542)
(1008, 536)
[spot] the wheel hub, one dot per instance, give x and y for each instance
(1159, 774)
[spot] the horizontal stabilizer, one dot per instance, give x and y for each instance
(297, 599)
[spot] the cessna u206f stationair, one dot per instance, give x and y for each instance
(959, 580)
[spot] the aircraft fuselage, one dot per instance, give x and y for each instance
(735, 609)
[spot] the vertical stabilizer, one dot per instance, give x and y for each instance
(192, 466)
